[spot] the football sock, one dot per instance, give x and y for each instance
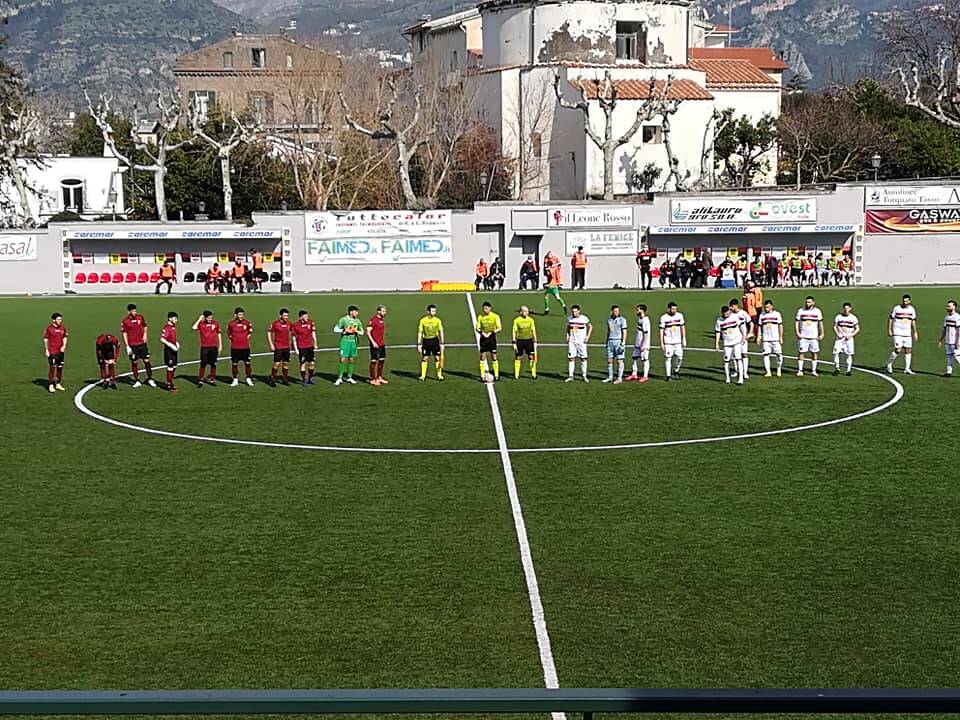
(59, 374)
(679, 363)
(849, 363)
(813, 364)
(667, 364)
(380, 364)
(766, 363)
(149, 367)
(439, 369)
(423, 369)
(273, 373)
(907, 360)
(202, 372)
(496, 368)
(103, 372)
(610, 371)
(350, 370)
(533, 368)
(741, 372)
(373, 369)
(234, 370)
(726, 370)
(836, 360)
(583, 367)
(634, 367)
(570, 368)
(746, 365)
(893, 356)
(303, 372)
(646, 368)
(779, 362)
(483, 367)
(620, 370)
(516, 368)
(169, 377)
(213, 374)
(136, 371)
(51, 375)
(286, 373)
(248, 369)
(340, 369)
(113, 373)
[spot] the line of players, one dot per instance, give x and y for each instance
(733, 330)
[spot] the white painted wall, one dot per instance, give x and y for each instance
(754, 104)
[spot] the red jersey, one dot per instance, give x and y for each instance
(55, 336)
(377, 330)
(108, 347)
(136, 329)
(303, 332)
(169, 333)
(209, 333)
(239, 332)
(280, 332)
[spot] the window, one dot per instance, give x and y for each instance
(289, 62)
(202, 102)
(311, 116)
(420, 41)
(631, 41)
(261, 106)
(258, 57)
(72, 192)
(228, 61)
(536, 144)
(652, 134)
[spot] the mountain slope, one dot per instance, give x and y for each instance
(120, 46)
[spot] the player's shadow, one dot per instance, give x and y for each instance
(43, 383)
(404, 374)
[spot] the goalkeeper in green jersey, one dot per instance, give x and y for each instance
(350, 329)
(524, 342)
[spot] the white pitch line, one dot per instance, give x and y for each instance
(550, 679)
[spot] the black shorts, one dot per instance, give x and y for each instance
(55, 359)
(139, 352)
(170, 357)
(307, 355)
(525, 347)
(239, 355)
(281, 355)
(795, 272)
(378, 353)
(431, 346)
(488, 344)
(106, 353)
(208, 356)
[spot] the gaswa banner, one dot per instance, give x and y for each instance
(378, 223)
(604, 242)
(378, 251)
(912, 196)
(18, 247)
(722, 210)
(914, 220)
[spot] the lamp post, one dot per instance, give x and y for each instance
(112, 200)
(201, 211)
(875, 163)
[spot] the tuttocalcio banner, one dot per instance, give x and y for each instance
(913, 221)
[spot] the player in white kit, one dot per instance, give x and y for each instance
(809, 327)
(950, 336)
(847, 326)
(579, 330)
(730, 330)
(673, 339)
(902, 327)
(641, 346)
(745, 318)
(770, 332)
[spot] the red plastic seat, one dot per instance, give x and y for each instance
(155, 277)
(117, 277)
(143, 278)
(93, 278)
(80, 278)
(130, 277)
(104, 277)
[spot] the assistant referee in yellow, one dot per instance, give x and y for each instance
(524, 342)
(488, 325)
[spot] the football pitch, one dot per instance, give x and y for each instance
(407, 535)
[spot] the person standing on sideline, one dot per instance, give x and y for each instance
(673, 339)
(552, 288)
(902, 327)
(168, 276)
(239, 331)
(847, 327)
(256, 257)
(579, 265)
(950, 336)
(54, 348)
(376, 335)
(809, 328)
(616, 344)
(211, 344)
(641, 346)
(350, 330)
(645, 262)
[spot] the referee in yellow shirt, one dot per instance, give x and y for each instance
(430, 342)
(488, 325)
(524, 342)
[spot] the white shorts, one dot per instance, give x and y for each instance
(843, 346)
(673, 350)
(772, 347)
(641, 353)
(808, 345)
(904, 342)
(732, 352)
(577, 349)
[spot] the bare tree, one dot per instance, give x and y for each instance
(20, 128)
(656, 103)
(708, 166)
(668, 110)
(527, 116)
(239, 133)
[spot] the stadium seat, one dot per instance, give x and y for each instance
(143, 278)
(117, 278)
(276, 277)
(80, 278)
(93, 278)
(104, 278)
(201, 277)
(155, 277)
(188, 277)
(130, 277)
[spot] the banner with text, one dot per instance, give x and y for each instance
(378, 223)
(750, 229)
(604, 242)
(378, 251)
(722, 210)
(246, 234)
(906, 196)
(915, 220)
(18, 247)
(586, 217)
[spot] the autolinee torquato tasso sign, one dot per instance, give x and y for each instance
(723, 210)
(378, 223)
(914, 220)
(378, 251)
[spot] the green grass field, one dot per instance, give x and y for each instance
(130, 560)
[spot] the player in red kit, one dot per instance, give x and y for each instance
(278, 335)
(108, 351)
(171, 348)
(376, 334)
(54, 347)
(239, 331)
(133, 330)
(211, 343)
(305, 343)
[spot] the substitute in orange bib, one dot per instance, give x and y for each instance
(483, 272)
(258, 274)
(212, 284)
(168, 276)
(579, 264)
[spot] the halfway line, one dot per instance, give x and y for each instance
(550, 680)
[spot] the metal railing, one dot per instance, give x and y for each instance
(585, 701)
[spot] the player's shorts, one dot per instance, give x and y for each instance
(843, 346)
(525, 347)
(796, 273)
(281, 355)
(488, 344)
(348, 349)
(378, 353)
(641, 352)
(673, 350)
(552, 290)
(431, 347)
(577, 349)
(615, 350)
(808, 345)
(139, 352)
(307, 355)
(732, 352)
(170, 358)
(106, 353)
(55, 359)
(951, 350)
(902, 342)
(772, 347)
(239, 355)
(208, 356)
